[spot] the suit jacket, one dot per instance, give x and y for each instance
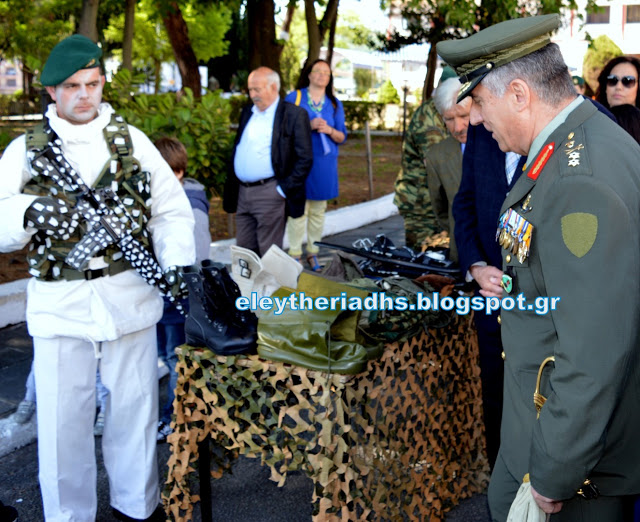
(444, 171)
(291, 157)
(585, 210)
(476, 207)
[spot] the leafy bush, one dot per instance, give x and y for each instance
(388, 93)
(18, 103)
(237, 102)
(202, 125)
(357, 113)
(365, 80)
(5, 139)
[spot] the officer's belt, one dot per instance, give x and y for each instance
(112, 269)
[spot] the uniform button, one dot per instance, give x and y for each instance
(499, 320)
(508, 258)
(504, 356)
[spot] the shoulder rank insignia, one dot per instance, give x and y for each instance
(579, 231)
(573, 151)
(514, 234)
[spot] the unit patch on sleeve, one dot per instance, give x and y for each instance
(579, 231)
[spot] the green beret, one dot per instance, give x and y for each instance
(577, 80)
(447, 72)
(476, 56)
(72, 54)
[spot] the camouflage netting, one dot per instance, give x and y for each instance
(402, 441)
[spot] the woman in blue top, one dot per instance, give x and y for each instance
(327, 132)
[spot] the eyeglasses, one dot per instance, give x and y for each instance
(627, 81)
(321, 73)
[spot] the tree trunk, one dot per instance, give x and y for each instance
(313, 33)
(88, 24)
(127, 38)
(432, 63)
(332, 38)
(286, 25)
(182, 49)
(317, 31)
(264, 49)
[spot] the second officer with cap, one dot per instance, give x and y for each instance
(569, 230)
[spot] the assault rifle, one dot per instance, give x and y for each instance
(382, 258)
(110, 224)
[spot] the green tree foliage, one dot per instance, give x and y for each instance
(358, 113)
(350, 33)
(387, 93)
(29, 30)
(600, 51)
(201, 124)
(151, 45)
(294, 52)
(365, 80)
(207, 26)
(435, 20)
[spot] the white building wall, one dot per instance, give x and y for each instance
(572, 37)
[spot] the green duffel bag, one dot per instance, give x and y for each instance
(323, 340)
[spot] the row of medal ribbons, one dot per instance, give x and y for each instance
(514, 234)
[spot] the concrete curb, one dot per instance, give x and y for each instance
(13, 295)
(13, 302)
(14, 436)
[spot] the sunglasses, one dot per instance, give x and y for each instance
(627, 81)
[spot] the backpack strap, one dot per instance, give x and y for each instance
(298, 96)
(122, 164)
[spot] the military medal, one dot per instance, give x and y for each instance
(525, 242)
(514, 233)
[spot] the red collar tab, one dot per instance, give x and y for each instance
(541, 161)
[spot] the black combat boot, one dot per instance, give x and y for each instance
(219, 282)
(206, 325)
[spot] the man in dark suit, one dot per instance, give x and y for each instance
(476, 209)
(272, 156)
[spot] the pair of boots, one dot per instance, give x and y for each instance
(213, 320)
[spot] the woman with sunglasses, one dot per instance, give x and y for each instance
(618, 82)
(327, 132)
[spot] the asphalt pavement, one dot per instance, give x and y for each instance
(246, 495)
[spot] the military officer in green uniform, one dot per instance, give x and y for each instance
(412, 198)
(570, 228)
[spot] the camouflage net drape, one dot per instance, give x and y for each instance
(402, 441)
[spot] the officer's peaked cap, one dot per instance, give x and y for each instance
(476, 56)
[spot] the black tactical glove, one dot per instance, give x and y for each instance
(177, 284)
(53, 216)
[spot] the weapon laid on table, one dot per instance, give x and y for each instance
(109, 225)
(382, 258)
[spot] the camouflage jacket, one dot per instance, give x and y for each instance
(425, 129)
